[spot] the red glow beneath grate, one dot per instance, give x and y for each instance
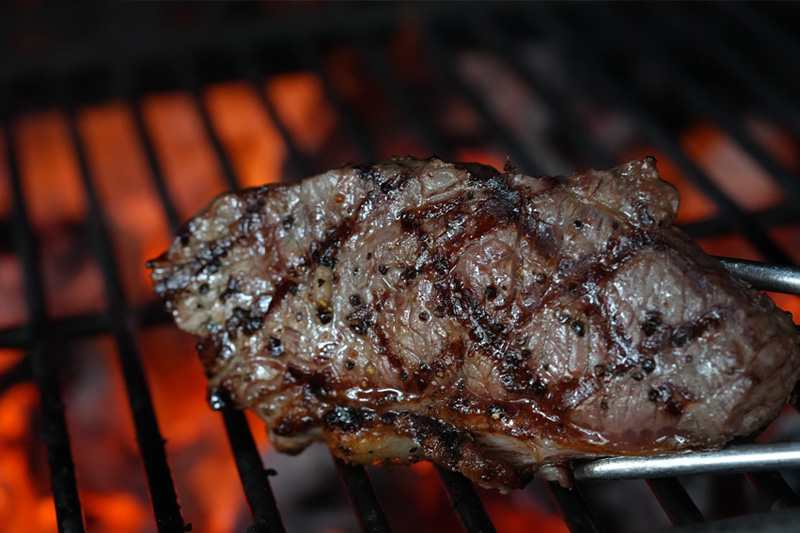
(250, 138)
(110, 474)
(25, 500)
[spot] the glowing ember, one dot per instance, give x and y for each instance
(205, 473)
(52, 187)
(301, 105)
(135, 218)
(25, 500)
(733, 170)
(250, 138)
(192, 173)
(111, 479)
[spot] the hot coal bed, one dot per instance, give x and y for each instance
(120, 121)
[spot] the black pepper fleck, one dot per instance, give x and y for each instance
(275, 346)
(681, 336)
(383, 269)
(324, 314)
(357, 325)
(603, 404)
(253, 324)
(408, 274)
(490, 292)
(540, 277)
(648, 365)
(637, 376)
(578, 327)
(578, 224)
(288, 222)
(652, 319)
(349, 365)
(203, 288)
(320, 282)
(653, 395)
(424, 316)
(355, 300)
(495, 412)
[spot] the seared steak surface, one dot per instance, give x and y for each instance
(486, 321)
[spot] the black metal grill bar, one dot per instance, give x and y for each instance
(703, 105)
(699, 100)
(485, 28)
(80, 326)
(258, 491)
(705, 42)
(663, 139)
(410, 109)
(157, 37)
(777, 46)
(670, 493)
(548, 21)
(252, 72)
(442, 57)
(362, 497)
(574, 509)
(774, 489)
(260, 498)
(69, 512)
(466, 502)
(170, 212)
(17, 373)
(309, 56)
(151, 444)
(776, 522)
(188, 79)
(675, 501)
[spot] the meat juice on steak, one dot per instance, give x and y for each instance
(489, 322)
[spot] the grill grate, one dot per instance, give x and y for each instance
(590, 40)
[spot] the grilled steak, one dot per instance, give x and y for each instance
(489, 322)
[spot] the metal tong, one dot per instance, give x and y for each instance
(738, 458)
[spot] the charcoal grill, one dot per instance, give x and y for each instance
(656, 67)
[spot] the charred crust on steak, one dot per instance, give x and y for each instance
(490, 322)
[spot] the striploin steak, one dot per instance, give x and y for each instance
(489, 322)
